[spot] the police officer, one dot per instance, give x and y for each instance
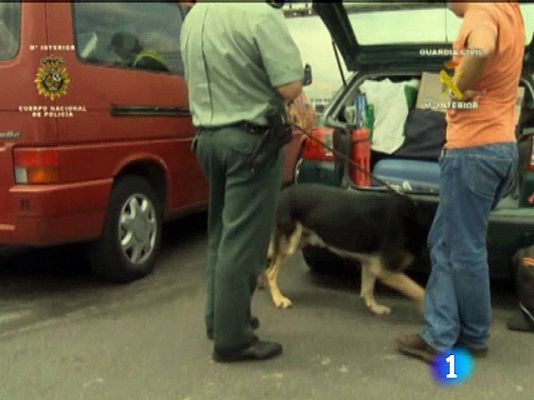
(240, 62)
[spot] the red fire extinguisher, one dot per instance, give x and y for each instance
(361, 154)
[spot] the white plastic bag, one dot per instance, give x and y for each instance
(390, 112)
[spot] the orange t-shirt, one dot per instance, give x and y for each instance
(493, 120)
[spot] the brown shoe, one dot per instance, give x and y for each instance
(477, 353)
(415, 346)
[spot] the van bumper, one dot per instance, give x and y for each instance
(44, 215)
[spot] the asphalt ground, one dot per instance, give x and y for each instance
(66, 335)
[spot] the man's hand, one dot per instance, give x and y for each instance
(469, 96)
(473, 95)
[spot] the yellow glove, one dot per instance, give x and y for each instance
(450, 84)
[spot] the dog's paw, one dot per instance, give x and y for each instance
(379, 309)
(283, 302)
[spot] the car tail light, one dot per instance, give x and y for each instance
(314, 151)
(36, 166)
(531, 164)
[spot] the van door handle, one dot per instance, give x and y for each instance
(148, 111)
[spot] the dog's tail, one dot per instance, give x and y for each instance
(286, 236)
(285, 241)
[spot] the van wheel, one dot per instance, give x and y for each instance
(131, 238)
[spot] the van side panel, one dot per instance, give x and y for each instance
(92, 132)
(117, 140)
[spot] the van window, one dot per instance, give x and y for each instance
(129, 35)
(9, 30)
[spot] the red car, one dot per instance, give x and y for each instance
(95, 130)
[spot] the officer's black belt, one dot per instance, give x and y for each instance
(248, 127)
(253, 128)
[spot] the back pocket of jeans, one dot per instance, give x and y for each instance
(486, 174)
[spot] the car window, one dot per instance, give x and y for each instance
(397, 23)
(9, 30)
(315, 46)
(130, 35)
(403, 24)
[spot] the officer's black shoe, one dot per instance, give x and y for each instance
(254, 324)
(258, 350)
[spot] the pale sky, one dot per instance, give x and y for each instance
(313, 40)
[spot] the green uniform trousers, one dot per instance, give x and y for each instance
(242, 204)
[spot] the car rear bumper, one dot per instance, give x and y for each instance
(55, 214)
(511, 229)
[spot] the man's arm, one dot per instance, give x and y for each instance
(483, 38)
(280, 55)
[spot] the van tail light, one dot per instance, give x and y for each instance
(36, 166)
(314, 151)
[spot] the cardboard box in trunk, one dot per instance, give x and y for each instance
(430, 95)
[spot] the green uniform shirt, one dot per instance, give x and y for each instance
(235, 55)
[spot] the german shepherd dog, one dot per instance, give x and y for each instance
(382, 231)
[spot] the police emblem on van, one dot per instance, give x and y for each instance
(52, 79)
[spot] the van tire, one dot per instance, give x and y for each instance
(107, 256)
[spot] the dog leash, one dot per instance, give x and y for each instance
(342, 156)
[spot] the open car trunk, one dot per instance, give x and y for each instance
(374, 54)
(413, 166)
(365, 45)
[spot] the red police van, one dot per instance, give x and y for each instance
(95, 130)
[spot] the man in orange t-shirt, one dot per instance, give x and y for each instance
(477, 165)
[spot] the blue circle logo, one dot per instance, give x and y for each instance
(452, 367)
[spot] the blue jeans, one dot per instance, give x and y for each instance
(457, 298)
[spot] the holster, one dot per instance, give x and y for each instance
(272, 140)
